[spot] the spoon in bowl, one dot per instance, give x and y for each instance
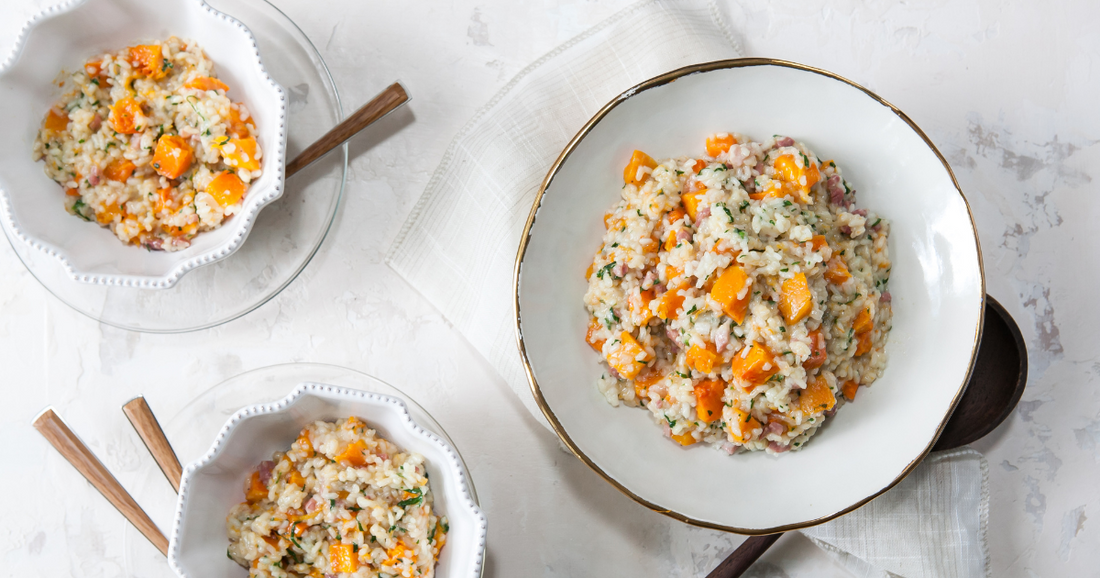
(996, 384)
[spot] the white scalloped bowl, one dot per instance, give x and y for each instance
(62, 38)
(214, 483)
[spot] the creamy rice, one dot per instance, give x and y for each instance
(739, 296)
(147, 143)
(341, 501)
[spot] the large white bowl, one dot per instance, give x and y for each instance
(937, 286)
(213, 484)
(62, 38)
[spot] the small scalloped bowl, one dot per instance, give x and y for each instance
(61, 38)
(214, 483)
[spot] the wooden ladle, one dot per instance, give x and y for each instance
(994, 389)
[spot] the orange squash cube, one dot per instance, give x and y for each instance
(637, 161)
(107, 214)
(862, 323)
(627, 359)
(698, 166)
(239, 153)
(639, 305)
(742, 426)
(754, 364)
(817, 242)
(172, 156)
(227, 189)
(126, 116)
(256, 491)
(719, 143)
(836, 271)
(817, 351)
(56, 120)
(119, 170)
(590, 337)
(795, 299)
(702, 359)
(817, 397)
(670, 303)
(796, 180)
(148, 60)
(708, 399)
(239, 128)
(644, 380)
(849, 389)
(733, 290)
(205, 83)
(691, 202)
(342, 559)
(863, 343)
(685, 439)
(675, 215)
(354, 454)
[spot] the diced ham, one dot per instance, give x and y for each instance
(860, 212)
(778, 447)
(155, 244)
(776, 427)
(313, 504)
(620, 270)
(614, 373)
(831, 412)
(265, 471)
(885, 297)
(700, 215)
(650, 278)
(94, 177)
(97, 121)
(846, 229)
(721, 337)
(836, 190)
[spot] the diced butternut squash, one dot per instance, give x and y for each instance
(862, 323)
(126, 116)
(588, 271)
(817, 351)
(205, 83)
(733, 290)
(795, 299)
(817, 242)
(685, 439)
(675, 215)
(304, 443)
(256, 491)
(639, 305)
(354, 454)
(295, 477)
(239, 128)
(796, 179)
(627, 357)
(836, 271)
(342, 559)
(590, 337)
(863, 343)
(671, 302)
(708, 399)
(172, 156)
(817, 397)
(672, 273)
(399, 552)
(239, 152)
(298, 529)
(633, 174)
(644, 380)
(754, 364)
(691, 202)
(742, 426)
(672, 240)
(702, 359)
(56, 120)
(272, 541)
(148, 60)
(119, 170)
(849, 389)
(227, 189)
(107, 214)
(719, 143)
(698, 166)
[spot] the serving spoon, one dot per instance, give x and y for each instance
(994, 389)
(69, 445)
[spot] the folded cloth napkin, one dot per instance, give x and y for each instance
(490, 174)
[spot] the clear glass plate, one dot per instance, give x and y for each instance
(286, 234)
(194, 428)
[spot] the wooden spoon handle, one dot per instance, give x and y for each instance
(148, 428)
(743, 557)
(72, 449)
(379, 106)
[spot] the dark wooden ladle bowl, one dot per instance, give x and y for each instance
(994, 389)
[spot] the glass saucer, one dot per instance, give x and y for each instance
(286, 234)
(194, 428)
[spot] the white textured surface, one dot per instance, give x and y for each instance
(1017, 122)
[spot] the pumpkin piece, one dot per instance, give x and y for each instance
(119, 170)
(296, 478)
(863, 343)
(96, 73)
(639, 305)
(732, 290)
(817, 242)
(172, 156)
(148, 60)
(239, 153)
(164, 201)
(184, 231)
(849, 389)
(239, 128)
(796, 179)
(590, 337)
(742, 427)
(670, 303)
(588, 271)
(227, 189)
(353, 454)
(126, 116)
(56, 120)
(256, 490)
(627, 359)
(298, 529)
(675, 215)
(72, 192)
(836, 271)
(685, 439)
(817, 397)
(205, 83)
(702, 359)
(817, 351)
(691, 202)
(862, 323)
(673, 273)
(671, 241)
(698, 166)
(708, 399)
(107, 214)
(644, 380)
(795, 299)
(304, 444)
(342, 559)
(756, 365)
(637, 161)
(719, 143)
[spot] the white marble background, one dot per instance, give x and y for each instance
(1007, 89)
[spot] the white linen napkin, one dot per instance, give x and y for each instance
(489, 176)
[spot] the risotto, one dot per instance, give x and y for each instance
(341, 501)
(147, 143)
(739, 296)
